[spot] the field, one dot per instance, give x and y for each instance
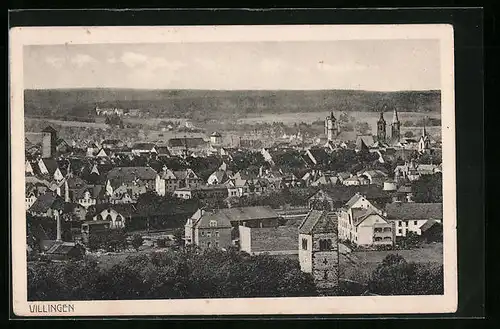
(64, 123)
(359, 265)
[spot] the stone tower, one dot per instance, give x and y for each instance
(49, 139)
(395, 128)
(381, 126)
(318, 249)
(331, 127)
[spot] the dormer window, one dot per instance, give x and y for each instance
(213, 223)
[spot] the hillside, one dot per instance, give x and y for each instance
(215, 104)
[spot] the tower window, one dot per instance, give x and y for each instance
(304, 244)
(325, 244)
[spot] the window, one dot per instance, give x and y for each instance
(304, 244)
(217, 244)
(325, 275)
(400, 224)
(209, 234)
(400, 231)
(325, 244)
(209, 244)
(118, 218)
(378, 229)
(217, 234)
(415, 223)
(202, 233)
(387, 238)
(387, 229)
(378, 238)
(213, 223)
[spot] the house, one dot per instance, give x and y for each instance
(355, 181)
(128, 193)
(112, 144)
(219, 177)
(61, 250)
(74, 212)
(207, 229)
(48, 204)
(257, 216)
(115, 214)
(325, 180)
(364, 142)
(162, 151)
(376, 177)
(49, 167)
(29, 168)
(412, 171)
(318, 248)
(90, 195)
(431, 231)
(144, 148)
(318, 156)
(410, 216)
(132, 176)
(104, 153)
(30, 198)
(179, 146)
(174, 180)
(361, 223)
(336, 196)
(280, 240)
(62, 146)
(216, 138)
(202, 192)
(92, 227)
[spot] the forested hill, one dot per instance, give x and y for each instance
(214, 104)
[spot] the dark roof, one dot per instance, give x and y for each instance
(50, 164)
(414, 210)
(428, 224)
(62, 248)
(359, 214)
(143, 146)
(249, 213)
(317, 221)
(319, 154)
(204, 218)
(47, 201)
(49, 129)
(162, 150)
(131, 173)
(345, 193)
(111, 141)
(189, 142)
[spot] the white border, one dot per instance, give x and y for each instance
(248, 306)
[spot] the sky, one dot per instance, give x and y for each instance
(378, 65)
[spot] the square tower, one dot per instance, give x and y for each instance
(318, 249)
(49, 141)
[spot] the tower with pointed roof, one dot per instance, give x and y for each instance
(424, 142)
(331, 127)
(395, 127)
(381, 128)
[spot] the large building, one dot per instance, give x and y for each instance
(49, 142)
(381, 128)
(207, 229)
(395, 127)
(318, 248)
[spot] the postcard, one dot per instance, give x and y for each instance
(233, 170)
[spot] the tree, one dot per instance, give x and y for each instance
(137, 241)
(179, 236)
(428, 189)
(409, 134)
(395, 276)
(363, 128)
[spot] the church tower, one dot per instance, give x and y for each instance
(381, 125)
(395, 128)
(318, 249)
(424, 144)
(331, 128)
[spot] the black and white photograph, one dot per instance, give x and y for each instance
(233, 170)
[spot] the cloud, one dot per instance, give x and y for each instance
(160, 62)
(133, 59)
(54, 61)
(81, 60)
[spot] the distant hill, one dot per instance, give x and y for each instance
(215, 104)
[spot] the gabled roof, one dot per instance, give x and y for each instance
(428, 224)
(317, 221)
(50, 164)
(33, 138)
(249, 213)
(61, 248)
(360, 214)
(319, 154)
(143, 146)
(162, 150)
(49, 129)
(128, 174)
(414, 210)
(47, 201)
(352, 201)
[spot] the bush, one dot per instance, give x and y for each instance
(137, 241)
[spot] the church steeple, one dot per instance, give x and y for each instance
(331, 127)
(381, 127)
(396, 125)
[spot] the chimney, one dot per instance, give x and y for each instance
(59, 229)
